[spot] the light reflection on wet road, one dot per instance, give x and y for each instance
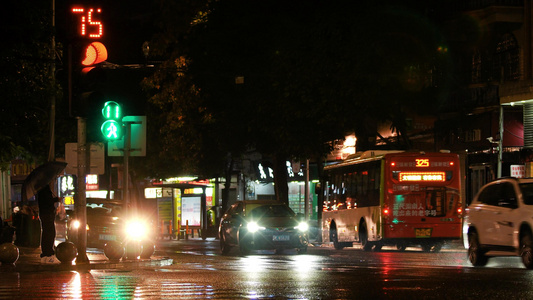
(199, 272)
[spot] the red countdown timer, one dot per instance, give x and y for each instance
(89, 26)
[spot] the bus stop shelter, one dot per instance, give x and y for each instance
(180, 206)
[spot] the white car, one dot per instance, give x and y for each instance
(499, 221)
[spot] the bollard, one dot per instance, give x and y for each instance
(179, 231)
(170, 233)
(186, 229)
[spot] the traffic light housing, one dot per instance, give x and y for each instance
(112, 126)
(89, 30)
(87, 58)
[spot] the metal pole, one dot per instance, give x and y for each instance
(51, 152)
(306, 202)
(127, 146)
(203, 206)
(500, 144)
(81, 200)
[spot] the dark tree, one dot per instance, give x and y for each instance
(286, 78)
(26, 83)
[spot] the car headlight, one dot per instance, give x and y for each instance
(253, 227)
(136, 230)
(302, 227)
(76, 224)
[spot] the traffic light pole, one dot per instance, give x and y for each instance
(127, 146)
(81, 198)
(127, 149)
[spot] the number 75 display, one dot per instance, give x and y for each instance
(89, 26)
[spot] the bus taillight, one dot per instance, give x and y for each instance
(386, 212)
(460, 212)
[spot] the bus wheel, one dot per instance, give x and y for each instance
(363, 237)
(476, 255)
(426, 247)
(377, 247)
(335, 240)
(401, 246)
(526, 250)
(437, 247)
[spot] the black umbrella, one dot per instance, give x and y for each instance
(41, 177)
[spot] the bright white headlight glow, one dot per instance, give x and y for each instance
(75, 224)
(302, 226)
(253, 227)
(136, 230)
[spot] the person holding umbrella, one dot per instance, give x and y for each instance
(48, 205)
(40, 183)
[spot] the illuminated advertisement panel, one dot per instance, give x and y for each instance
(191, 208)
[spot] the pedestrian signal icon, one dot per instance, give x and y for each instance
(112, 126)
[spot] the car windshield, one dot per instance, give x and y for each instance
(271, 211)
(527, 192)
(103, 209)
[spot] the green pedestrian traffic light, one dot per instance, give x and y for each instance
(112, 111)
(112, 126)
(112, 130)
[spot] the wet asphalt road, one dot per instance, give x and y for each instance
(200, 272)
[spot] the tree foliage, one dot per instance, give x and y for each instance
(25, 80)
(307, 73)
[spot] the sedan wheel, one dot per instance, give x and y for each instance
(526, 250)
(302, 250)
(245, 249)
(224, 247)
(476, 255)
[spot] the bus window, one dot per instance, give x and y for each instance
(453, 198)
(377, 177)
(435, 202)
(351, 195)
(364, 184)
(342, 192)
(337, 193)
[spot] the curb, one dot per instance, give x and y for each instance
(29, 261)
(92, 265)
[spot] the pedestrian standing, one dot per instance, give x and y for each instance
(48, 204)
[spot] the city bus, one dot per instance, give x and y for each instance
(393, 198)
